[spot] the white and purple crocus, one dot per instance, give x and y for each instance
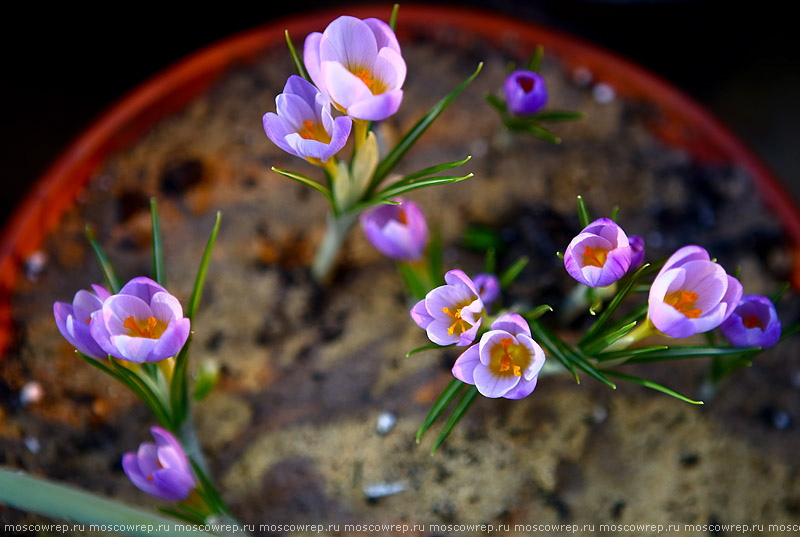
(358, 65)
(303, 125)
(160, 469)
(754, 323)
(506, 362)
(692, 294)
(451, 314)
(599, 255)
(526, 92)
(73, 320)
(141, 323)
(397, 231)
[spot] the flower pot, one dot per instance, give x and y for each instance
(306, 372)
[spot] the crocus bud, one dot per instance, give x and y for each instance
(397, 231)
(754, 323)
(526, 92)
(600, 254)
(637, 251)
(161, 469)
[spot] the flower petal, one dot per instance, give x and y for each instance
(465, 365)
(491, 385)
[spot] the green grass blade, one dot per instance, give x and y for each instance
(429, 347)
(536, 60)
(497, 103)
(583, 213)
(393, 190)
(413, 282)
(207, 490)
(790, 330)
(178, 387)
(776, 297)
(102, 259)
(144, 391)
(185, 515)
(427, 172)
(582, 362)
(455, 417)
(307, 181)
(602, 342)
(652, 385)
(678, 353)
(535, 313)
(394, 156)
(435, 257)
(197, 291)
(490, 264)
(59, 501)
(626, 353)
(299, 66)
(441, 403)
(512, 273)
(158, 247)
(537, 131)
(393, 17)
(553, 116)
(544, 338)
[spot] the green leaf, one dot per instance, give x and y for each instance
(481, 238)
(512, 273)
(537, 131)
(458, 413)
(393, 18)
(393, 190)
(789, 331)
(206, 378)
(158, 249)
(535, 313)
(441, 403)
(615, 213)
(191, 518)
(178, 387)
(490, 264)
(536, 60)
(558, 115)
(429, 347)
(105, 264)
(604, 341)
(435, 256)
(652, 385)
(545, 339)
(362, 167)
(208, 491)
(594, 330)
(427, 172)
(359, 207)
(413, 282)
(145, 391)
(583, 213)
(626, 353)
(394, 156)
(59, 501)
(498, 103)
(582, 362)
(199, 281)
(677, 353)
(776, 297)
(303, 180)
(560, 255)
(299, 66)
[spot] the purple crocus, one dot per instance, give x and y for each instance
(304, 126)
(452, 313)
(161, 469)
(637, 251)
(692, 294)
(73, 320)
(142, 323)
(488, 286)
(526, 92)
(358, 64)
(600, 254)
(506, 362)
(397, 231)
(754, 323)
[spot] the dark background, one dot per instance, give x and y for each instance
(63, 67)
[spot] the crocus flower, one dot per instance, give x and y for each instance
(452, 313)
(142, 323)
(488, 287)
(526, 92)
(506, 362)
(161, 469)
(357, 63)
(397, 231)
(599, 255)
(691, 294)
(637, 251)
(73, 320)
(304, 126)
(754, 323)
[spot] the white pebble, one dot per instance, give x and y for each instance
(381, 490)
(386, 421)
(32, 392)
(34, 265)
(33, 445)
(603, 93)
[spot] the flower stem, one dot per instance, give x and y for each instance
(335, 234)
(361, 128)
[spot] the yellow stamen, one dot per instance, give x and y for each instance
(458, 322)
(374, 85)
(506, 361)
(683, 301)
(594, 258)
(314, 132)
(149, 331)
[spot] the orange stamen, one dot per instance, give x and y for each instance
(401, 217)
(683, 301)
(752, 322)
(506, 362)
(146, 332)
(594, 258)
(457, 321)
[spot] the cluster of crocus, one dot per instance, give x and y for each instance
(141, 323)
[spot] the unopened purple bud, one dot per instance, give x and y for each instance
(397, 231)
(599, 255)
(754, 323)
(488, 287)
(526, 92)
(637, 251)
(161, 469)
(73, 320)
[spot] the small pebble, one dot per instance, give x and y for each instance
(479, 147)
(603, 93)
(781, 420)
(582, 76)
(599, 414)
(32, 392)
(386, 421)
(32, 443)
(34, 265)
(381, 490)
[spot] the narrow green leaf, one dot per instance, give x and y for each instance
(560, 255)
(496, 102)
(359, 207)
(158, 248)
(583, 213)
(430, 171)
(102, 367)
(206, 379)
(178, 388)
(144, 391)
(429, 347)
(790, 330)
(481, 238)
(537, 131)
(435, 257)
(413, 282)
(394, 156)
(776, 297)
(208, 491)
(512, 273)
(392, 191)
(626, 353)
(197, 291)
(535, 313)
(677, 353)
(299, 66)
(604, 341)
(393, 18)
(59, 501)
(545, 339)
(458, 413)
(581, 361)
(558, 115)
(615, 213)
(490, 265)
(594, 330)
(536, 60)
(303, 180)
(105, 264)
(441, 403)
(652, 385)
(181, 515)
